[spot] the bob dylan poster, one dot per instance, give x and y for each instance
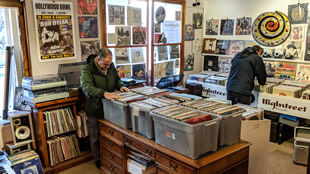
(54, 30)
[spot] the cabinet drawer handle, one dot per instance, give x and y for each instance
(129, 141)
(149, 152)
(172, 166)
(110, 144)
(111, 156)
(111, 168)
(111, 132)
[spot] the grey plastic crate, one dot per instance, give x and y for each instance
(142, 124)
(189, 140)
(230, 128)
(117, 113)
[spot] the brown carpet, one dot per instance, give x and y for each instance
(280, 159)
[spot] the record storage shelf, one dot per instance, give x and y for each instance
(40, 134)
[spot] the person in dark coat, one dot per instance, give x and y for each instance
(246, 65)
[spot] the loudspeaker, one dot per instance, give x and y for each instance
(194, 88)
(21, 125)
(12, 149)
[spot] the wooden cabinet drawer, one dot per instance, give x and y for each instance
(115, 158)
(140, 146)
(110, 145)
(161, 171)
(110, 167)
(173, 164)
(114, 133)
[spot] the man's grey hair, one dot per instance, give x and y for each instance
(103, 53)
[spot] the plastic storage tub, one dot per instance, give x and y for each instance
(117, 113)
(186, 139)
(142, 122)
(301, 145)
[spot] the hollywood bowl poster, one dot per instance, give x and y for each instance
(54, 30)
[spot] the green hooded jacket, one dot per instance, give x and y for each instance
(95, 83)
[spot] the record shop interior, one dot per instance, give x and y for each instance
(154, 86)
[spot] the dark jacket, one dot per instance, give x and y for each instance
(95, 83)
(245, 66)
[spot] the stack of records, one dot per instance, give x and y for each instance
(216, 80)
(296, 84)
(306, 94)
(264, 88)
(251, 113)
(62, 148)
(198, 77)
(209, 73)
(226, 75)
(183, 114)
(182, 97)
(28, 162)
(129, 97)
(217, 108)
(82, 131)
(274, 80)
(59, 121)
(153, 103)
(141, 159)
(285, 90)
(150, 91)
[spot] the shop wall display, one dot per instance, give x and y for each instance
(212, 27)
(236, 46)
(227, 26)
(271, 28)
(298, 13)
(116, 15)
(87, 7)
(285, 70)
(55, 33)
(243, 26)
(88, 27)
(189, 33)
(197, 20)
(209, 45)
(88, 48)
(189, 63)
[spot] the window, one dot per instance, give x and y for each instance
(9, 36)
(145, 37)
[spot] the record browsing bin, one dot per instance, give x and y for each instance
(191, 140)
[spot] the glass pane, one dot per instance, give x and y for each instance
(167, 26)
(126, 22)
(3, 44)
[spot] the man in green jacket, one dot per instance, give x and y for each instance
(98, 80)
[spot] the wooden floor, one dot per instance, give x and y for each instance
(279, 160)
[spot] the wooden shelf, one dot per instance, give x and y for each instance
(84, 157)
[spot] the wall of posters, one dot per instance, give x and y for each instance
(54, 30)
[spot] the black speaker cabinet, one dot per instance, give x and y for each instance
(285, 132)
(21, 124)
(194, 88)
(274, 131)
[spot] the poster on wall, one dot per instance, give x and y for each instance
(134, 17)
(138, 35)
(212, 27)
(124, 71)
(285, 70)
(87, 7)
(189, 63)
(227, 26)
(270, 68)
(298, 13)
(298, 33)
(88, 27)
(54, 26)
(116, 15)
(197, 20)
(292, 50)
(236, 46)
(123, 35)
(138, 71)
(243, 26)
(189, 33)
(172, 30)
(88, 48)
(303, 73)
(307, 51)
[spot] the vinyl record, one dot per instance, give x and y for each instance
(160, 14)
(271, 28)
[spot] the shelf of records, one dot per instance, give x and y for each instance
(131, 62)
(291, 50)
(278, 95)
(133, 30)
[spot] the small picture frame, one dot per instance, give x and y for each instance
(209, 45)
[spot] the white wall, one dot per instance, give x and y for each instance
(198, 34)
(50, 67)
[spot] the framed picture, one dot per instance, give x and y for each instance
(209, 45)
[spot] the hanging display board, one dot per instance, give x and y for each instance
(271, 28)
(54, 30)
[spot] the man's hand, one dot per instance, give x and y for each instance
(124, 89)
(110, 96)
